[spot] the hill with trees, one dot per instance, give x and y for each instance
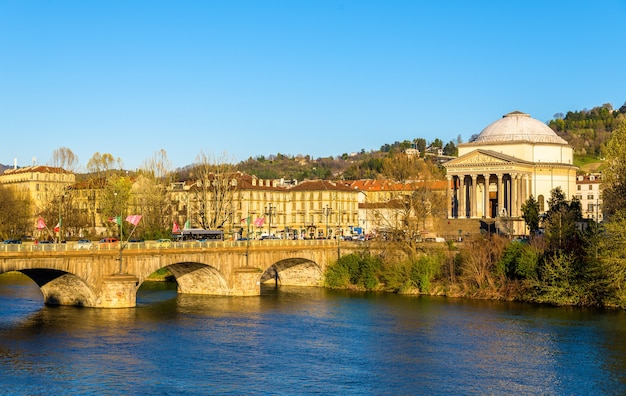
(588, 131)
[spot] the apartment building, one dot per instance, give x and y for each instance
(589, 192)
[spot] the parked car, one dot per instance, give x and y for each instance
(83, 244)
(108, 240)
(12, 242)
(163, 243)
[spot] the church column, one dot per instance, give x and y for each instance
(500, 205)
(462, 213)
(486, 207)
(474, 196)
(526, 187)
(449, 196)
(514, 195)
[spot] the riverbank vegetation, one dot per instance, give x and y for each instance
(564, 261)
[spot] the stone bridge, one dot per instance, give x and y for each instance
(109, 277)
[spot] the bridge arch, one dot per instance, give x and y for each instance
(294, 272)
(195, 278)
(61, 288)
(198, 278)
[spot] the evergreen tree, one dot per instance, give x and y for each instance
(530, 214)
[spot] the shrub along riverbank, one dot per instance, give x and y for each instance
(486, 267)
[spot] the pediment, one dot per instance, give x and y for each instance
(479, 157)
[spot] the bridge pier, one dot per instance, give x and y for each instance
(246, 282)
(118, 291)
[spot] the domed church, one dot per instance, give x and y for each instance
(511, 159)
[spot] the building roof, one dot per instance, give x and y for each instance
(388, 185)
(517, 126)
(35, 169)
(320, 185)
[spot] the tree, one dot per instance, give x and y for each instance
(115, 201)
(64, 158)
(216, 186)
(614, 173)
(560, 223)
(530, 214)
(450, 149)
(150, 196)
(420, 144)
(100, 164)
(612, 259)
(15, 216)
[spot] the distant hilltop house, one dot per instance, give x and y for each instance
(511, 159)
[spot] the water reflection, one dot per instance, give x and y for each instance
(305, 340)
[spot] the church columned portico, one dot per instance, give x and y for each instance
(510, 160)
(486, 195)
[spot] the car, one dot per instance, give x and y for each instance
(12, 242)
(83, 244)
(163, 243)
(109, 241)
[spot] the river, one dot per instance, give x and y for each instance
(295, 341)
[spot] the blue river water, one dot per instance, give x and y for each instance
(295, 341)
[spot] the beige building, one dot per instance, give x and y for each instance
(510, 160)
(274, 207)
(44, 184)
(589, 193)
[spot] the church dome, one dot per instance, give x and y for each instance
(517, 126)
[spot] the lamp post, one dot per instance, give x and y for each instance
(326, 211)
(119, 223)
(60, 216)
(270, 210)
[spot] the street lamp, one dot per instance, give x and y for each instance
(326, 211)
(270, 211)
(119, 223)
(60, 216)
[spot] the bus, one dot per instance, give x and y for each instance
(198, 234)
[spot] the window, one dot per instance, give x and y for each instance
(541, 202)
(590, 207)
(590, 196)
(579, 187)
(591, 186)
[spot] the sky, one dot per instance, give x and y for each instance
(238, 79)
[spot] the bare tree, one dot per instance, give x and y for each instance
(64, 158)
(100, 164)
(216, 186)
(150, 196)
(15, 216)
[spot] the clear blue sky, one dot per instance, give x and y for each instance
(238, 79)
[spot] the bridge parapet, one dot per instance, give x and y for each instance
(96, 277)
(74, 246)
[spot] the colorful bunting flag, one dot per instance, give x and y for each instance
(175, 228)
(133, 219)
(259, 221)
(117, 220)
(40, 224)
(187, 225)
(57, 227)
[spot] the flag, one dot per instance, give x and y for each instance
(133, 219)
(259, 221)
(187, 225)
(40, 224)
(117, 220)
(246, 220)
(175, 228)
(57, 227)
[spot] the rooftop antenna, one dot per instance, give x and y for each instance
(34, 161)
